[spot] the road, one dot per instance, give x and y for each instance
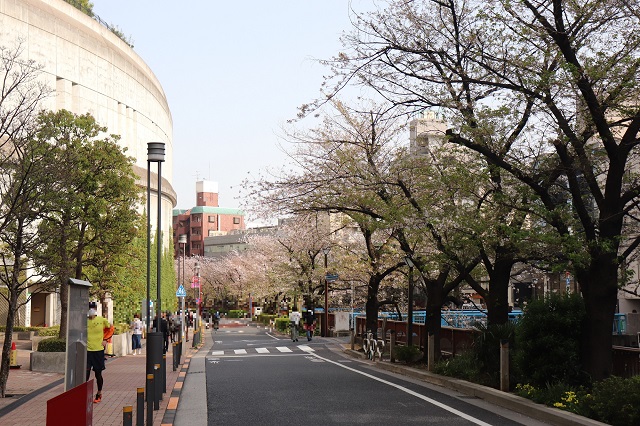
(249, 376)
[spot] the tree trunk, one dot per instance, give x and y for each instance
(600, 293)
(498, 300)
(433, 325)
(64, 296)
(371, 306)
(6, 347)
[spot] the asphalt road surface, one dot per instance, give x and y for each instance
(249, 376)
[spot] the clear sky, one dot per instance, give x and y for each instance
(233, 73)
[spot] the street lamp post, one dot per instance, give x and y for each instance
(325, 318)
(196, 320)
(182, 241)
(155, 340)
(410, 264)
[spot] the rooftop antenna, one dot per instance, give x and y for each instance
(197, 176)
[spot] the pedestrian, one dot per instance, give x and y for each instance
(164, 329)
(294, 323)
(189, 323)
(96, 343)
(310, 323)
(216, 320)
(136, 336)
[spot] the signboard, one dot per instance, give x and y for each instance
(73, 407)
(181, 292)
(331, 277)
(195, 282)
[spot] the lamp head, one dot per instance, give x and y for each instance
(155, 152)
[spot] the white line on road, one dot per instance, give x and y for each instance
(262, 350)
(273, 337)
(410, 392)
(306, 348)
(214, 353)
(283, 349)
(240, 351)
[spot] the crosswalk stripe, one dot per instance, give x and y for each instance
(280, 349)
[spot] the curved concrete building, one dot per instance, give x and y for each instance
(93, 71)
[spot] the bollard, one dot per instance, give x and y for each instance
(157, 395)
(150, 399)
(175, 355)
(164, 373)
(504, 365)
(392, 346)
(140, 407)
(353, 339)
(127, 415)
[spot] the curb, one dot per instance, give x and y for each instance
(506, 400)
(169, 415)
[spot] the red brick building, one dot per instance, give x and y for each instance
(206, 219)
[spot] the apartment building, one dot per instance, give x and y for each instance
(206, 219)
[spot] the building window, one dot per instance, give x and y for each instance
(212, 232)
(236, 221)
(212, 219)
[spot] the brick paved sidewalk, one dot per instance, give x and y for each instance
(122, 377)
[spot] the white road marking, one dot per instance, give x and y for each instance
(214, 353)
(240, 351)
(306, 348)
(410, 392)
(283, 349)
(262, 350)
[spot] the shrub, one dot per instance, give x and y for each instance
(548, 342)
(486, 348)
(236, 313)
(266, 318)
(120, 328)
(463, 366)
(49, 331)
(615, 401)
(52, 345)
(282, 324)
(407, 354)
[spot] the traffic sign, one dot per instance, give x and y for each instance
(181, 292)
(331, 277)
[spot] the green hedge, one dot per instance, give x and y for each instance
(282, 324)
(266, 318)
(19, 328)
(49, 331)
(120, 328)
(237, 313)
(52, 345)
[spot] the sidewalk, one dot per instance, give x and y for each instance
(122, 377)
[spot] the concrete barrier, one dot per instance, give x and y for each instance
(122, 344)
(22, 335)
(48, 362)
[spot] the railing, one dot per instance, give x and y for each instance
(626, 362)
(452, 340)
